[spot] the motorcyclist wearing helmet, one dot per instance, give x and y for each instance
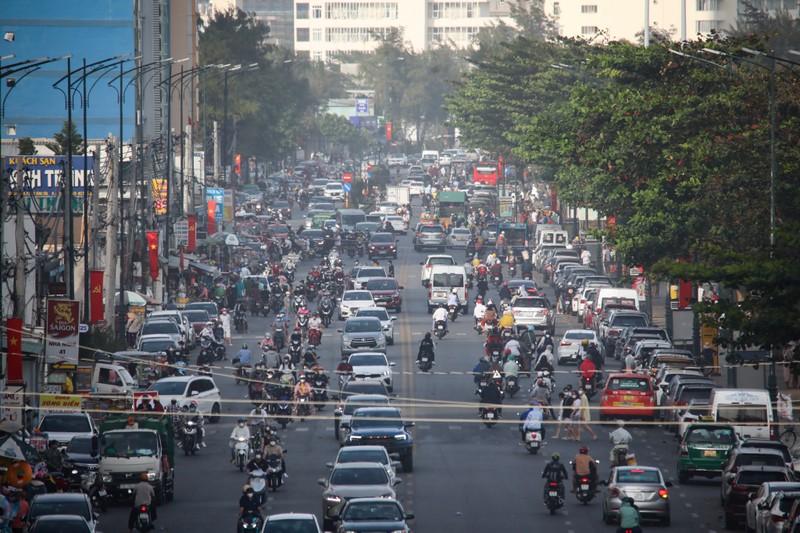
(257, 462)
(257, 419)
(619, 437)
(507, 320)
(143, 495)
(194, 415)
(545, 362)
(267, 343)
(540, 392)
(427, 347)
(584, 466)
(491, 395)
(478, 311)
(249, 505)
(555, 472)
(272, 447)
(513, 346)
(239, 430)
(493, 341)
(532, 420)
(594, 354)
(480, 369)
(440, 315)
(303, 388)
(453, 299)
(544, 342)
(243, 357)
(629, 519)
(510, 367)
(286, 366)
(504, 292)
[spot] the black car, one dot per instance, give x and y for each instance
(382, 426)
(316, 240)
(382, 245)
(373, 515)
(78, 455)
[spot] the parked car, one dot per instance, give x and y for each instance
(774, 512)
(756, 505)
(646, 485)
(747, 480)
(208, 307)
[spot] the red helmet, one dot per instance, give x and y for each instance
(508, 351)
(584, 449)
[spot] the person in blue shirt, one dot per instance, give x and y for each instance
(532, 420)
(629, 519)
(243, 356)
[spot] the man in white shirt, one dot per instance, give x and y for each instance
(440, 314)
(586, 257)
(478, 311)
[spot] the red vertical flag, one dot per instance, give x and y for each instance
(190, 246)
(96, 306)
(14, 338)
(388, 131)
(212, 212)
(152, 247)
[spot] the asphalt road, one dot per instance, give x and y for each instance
(467, 477)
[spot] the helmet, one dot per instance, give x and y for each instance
(302, 378)
(428, 336)
(585, 342)
(174, 401)
(540, 382)
(286, 357)
(193, 406)
(483, 359)
(628, 500)
(131, 420)
(584, 449)
(505, 284)
(511, 357)
(555, 457)
(244, 346)
(267, 335)
(508, 351)
(242, 421)
(273, 443)
(258, 454)
(143, 476)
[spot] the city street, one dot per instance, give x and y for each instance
(466, 478)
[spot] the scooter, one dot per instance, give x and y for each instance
(283, 412)
(257, 479)
(533, 442)
(241, 451)
(587, 384)
(249, 522)
(425, 363)
(452, 312)
(439, 330)
(314, 337)
(143, 520)
(92, 486)
(585, 493)
(274, 472)
(512, 386)
(489, 416)
(189, 437)
(242, 373)
(554, 500)
(303, 407)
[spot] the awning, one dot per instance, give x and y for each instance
(137, 300)
(208, 269)
(225, 238)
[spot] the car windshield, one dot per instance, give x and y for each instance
(168, 388)
(65, 424)
(376, 419)
(757, 478)
(207, 307)
(74, 506)
(362, 326)
(638, 475)
(367, 360)
(351, 406)
(636, 384)
(372, 512)
(698, 393)
(432, 229)
(359, 296)
(165, 326)
(380, 314)
(441, 261)
(741, 414)
(155, 345)
(82, 445)
(383, 238)
(579, 335)
(128, 443)
(359, 476)
(291, 525)
(627, 321)
(711, 436)
(350, 455)
(448, 280)
(196, 315)
(371, 273)
(537, 303)
(382, 285)
(314, 234)
(367, 226)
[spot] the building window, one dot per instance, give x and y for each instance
(707, 5)
(452, 10)
(705, 26)
(316, 56)
(302, 35)
(588, 30)
(316, 35)
(316, 12)
(589, 9)
(360, 10)
(302, 11)
(556, 9)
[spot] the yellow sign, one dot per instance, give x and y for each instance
(60, 401)
(160, 196)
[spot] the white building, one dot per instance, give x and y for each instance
(327, 29)
(624, 19)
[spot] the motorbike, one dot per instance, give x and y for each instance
(249, 522)
(295, 352)
(257, 308)
(326, 311)
(204, 370)
(302, 321)
(92, 486)
(190, 437)
(533, 442)
(452, 312)
(242, 373)
(554, 500)
(218, 346)
(319, 391)
(489, 416)
(241, 452)
(303, 407)
(257, 479)
(588, 386)
(314, 337)
(274, 472)
(143, 521)
(240, 322)
(512, 386)
(277, 340)
(299, 301)
(439, 330)
(496, 280)
(311, 292)
(425, 363)
(283, 412)
(621, 456)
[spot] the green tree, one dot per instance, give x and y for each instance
(26, 146)
(60, 146)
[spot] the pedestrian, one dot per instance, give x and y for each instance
(567, 416)
(559, 415)
(132, 328)
(708, 357)
(787, 359)
(225, 322)
(584, 416)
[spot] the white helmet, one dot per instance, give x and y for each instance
(454, 291)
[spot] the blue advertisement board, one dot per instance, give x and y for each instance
(42, 180)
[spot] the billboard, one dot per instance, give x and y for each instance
(41, 178)
(160, 196)
(63, 321)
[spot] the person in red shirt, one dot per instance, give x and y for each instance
(587, 368)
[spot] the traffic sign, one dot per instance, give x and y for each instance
(347, 178)
(346, 187)
(83, 328)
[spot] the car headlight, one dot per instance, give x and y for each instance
(400, 436)
(388, 495)
(152, 476)
(106, 478)
(333, 498)
(354, 437)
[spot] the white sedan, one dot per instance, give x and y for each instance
(458, 238)
(372, 365)
(352, 301)
(569, 347)
(416, 188)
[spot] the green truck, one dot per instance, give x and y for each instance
(124, 454)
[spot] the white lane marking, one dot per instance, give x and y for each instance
(681, 494)
(687, 504)
(425, 428)
(301, 429)
(695, 515)
(454, 428)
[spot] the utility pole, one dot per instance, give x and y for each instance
(188, 195)
(217, 162)
(112, 226)
(20, 279)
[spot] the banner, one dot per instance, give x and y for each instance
(14, 339)
(96, 303)
(212, 217)
(42, 179)
(60, 402)
(160, 196)
(192, 234)
(152, 248)
(62, 325)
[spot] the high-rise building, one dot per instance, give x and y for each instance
(326, 30)
(277, 14)
(625, 19)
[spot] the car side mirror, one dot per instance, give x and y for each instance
(394, 317)
(392, 364)
(194, 393)
(396, 482)
(396, 464)
(338, 331)
(410, 516)
(329, 465)
(409, 425)
(401, 287)
(422, 262)
(321, 481)
(345, 425)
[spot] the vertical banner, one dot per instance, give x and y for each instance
(63, 323)
(159, 196)
(212, 217)
(192, 234)
(14, 338)
(96, 301)
(388, 131)
(152, 248)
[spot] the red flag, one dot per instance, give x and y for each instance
(96, 305)
(685, 294)
(152, 246)
(190, 246)
(14, 338)
(212, 211)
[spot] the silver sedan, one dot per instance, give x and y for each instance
(458, 238)
(647, 487)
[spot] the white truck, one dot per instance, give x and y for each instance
(400, 194)
(109, 378)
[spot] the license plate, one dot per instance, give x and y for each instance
(127, 486)
(709, 453)
(640, 497)
(553, 493)
(584, 487)
(441, 326)
(424, 359)
(628, 398)
(144, 516)
(102, 493)
(490, 415)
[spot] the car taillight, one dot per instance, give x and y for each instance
(777, 518)
(441, 235)
(684, 449)
(420, 235)
(613, 332)
(565, 343)
(428, 265)
(429, 293)
(739, 488)
(614, 492)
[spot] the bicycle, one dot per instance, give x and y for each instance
(788, 435)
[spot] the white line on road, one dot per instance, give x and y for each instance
(454, 428)
(687, 504)
(681, 494)
(695, 515)
(301, 429)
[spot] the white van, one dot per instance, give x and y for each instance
(626, 296)
(445, 278)
(749, 411)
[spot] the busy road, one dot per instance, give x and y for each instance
(466, 477)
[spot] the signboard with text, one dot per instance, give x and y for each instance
(362, 106)
(216, 194)
(62, 330)
(160, 196)
(181, 229)
(42, 180)
(12, 403)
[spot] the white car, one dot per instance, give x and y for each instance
(387, 322)
(389, 208)
(570, 344)
(366, 453)
(186, 389)
(352, 301)
(431, 260)
(459, 238)
(182, 321)
(372, 365)
(367, 273)
(398, 224)
(398, 160)
(162, 326)
(334, 191)
(416, 188)
(62, 427)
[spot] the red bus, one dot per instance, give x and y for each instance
(485, 172)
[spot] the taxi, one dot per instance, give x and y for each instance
(704, 449)
(629, 396)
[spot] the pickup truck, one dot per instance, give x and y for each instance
(126, 453)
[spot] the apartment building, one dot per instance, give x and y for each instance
(277, 14)
(325, 30)
(624, 19)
